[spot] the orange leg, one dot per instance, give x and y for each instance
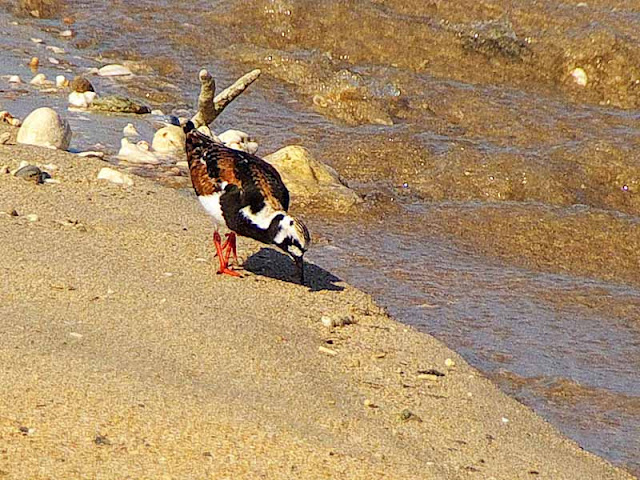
(230, 246)
(224, 259)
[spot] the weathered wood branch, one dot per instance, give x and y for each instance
(211, 105)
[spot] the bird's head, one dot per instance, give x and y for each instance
(293, 237)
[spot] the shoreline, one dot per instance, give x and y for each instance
(127, 357)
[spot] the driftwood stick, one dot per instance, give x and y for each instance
(225, 97)
(209, 107)
(206, 110)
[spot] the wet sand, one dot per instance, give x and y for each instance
(125, 356)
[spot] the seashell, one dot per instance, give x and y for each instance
(53, 61)
(15, 79)
(37, 40)
(45, 128)
(81, 100)
(579, 76)
(114, 70)
(40, 79)
(169, 139)
(115, 176)
(66, 34)
(238, 140)
(130, 131)
(34, 62)
(134, 153)
(61, 81)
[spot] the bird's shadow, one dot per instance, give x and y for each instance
(270, 263)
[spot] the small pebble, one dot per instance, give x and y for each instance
(115, 176)
(505, 420)
(407, 414)
(66, 34)
(37, 40)
(31, 172)
(368, 403)
(4, 138)
(53, 61)
(579, 76)
(15, 79)
(32, 217)
(81, 85)
(39, 79)
(449, 363)
(341, 321)
(4, 170)
(157, 112)
(75, 335)
(34, 62)
(61, 81)
(56, 50)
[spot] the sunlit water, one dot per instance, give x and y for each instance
(532, 332)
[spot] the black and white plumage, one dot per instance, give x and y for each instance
(245, 195)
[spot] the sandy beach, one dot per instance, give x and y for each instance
(125, 356)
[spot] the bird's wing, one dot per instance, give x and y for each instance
(258, 180)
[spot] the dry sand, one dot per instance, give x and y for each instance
(124, 355)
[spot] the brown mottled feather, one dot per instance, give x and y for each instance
(202, 184)
(256, 178)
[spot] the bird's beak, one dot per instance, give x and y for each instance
(300, 267)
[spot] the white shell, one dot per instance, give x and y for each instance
(130, 131)
(15, 79)
(61, 81)
(133, 153)
(45, 128)
(53, 61)
(66, 33)
(579, 76)
(115, 176)
(114, 70)
(81, 100)
(39, 79)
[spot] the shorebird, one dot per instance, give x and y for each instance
(245, 195)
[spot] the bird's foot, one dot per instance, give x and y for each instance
(228, 271)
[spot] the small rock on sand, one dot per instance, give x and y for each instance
(115, 176)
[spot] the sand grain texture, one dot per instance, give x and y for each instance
(123, 355)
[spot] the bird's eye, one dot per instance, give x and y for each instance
(291, 223)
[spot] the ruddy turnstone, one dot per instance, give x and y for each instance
(245, 195)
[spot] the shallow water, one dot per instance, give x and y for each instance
(484, 246)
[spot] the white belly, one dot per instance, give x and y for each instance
(211, 204)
